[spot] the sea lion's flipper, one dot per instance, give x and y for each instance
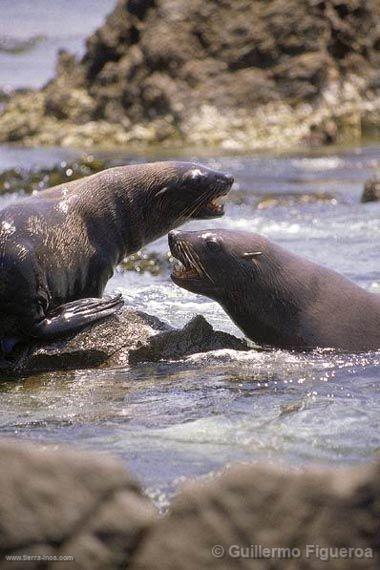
(72, 317)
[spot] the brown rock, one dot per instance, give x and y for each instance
(159, 70)
(271, 508)
(62, 503)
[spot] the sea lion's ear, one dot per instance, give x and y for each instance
(162, 191)
(251, 254)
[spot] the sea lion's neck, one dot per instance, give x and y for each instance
(264, 319)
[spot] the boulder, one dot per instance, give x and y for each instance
(82, 507)
(128, 337)
(303, 517)
(85, 511)
(196, 336)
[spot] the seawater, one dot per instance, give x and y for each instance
(171, 422)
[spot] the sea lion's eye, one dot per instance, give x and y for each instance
(213, 245)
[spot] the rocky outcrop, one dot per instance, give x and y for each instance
(298, 516)
(129, 337)
(237, 73)
(60, 508)
(371, 192)
(69, 510)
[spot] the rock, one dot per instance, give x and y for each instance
(289, 199)
(196, 336)
(147, 262)
(15, 45)
(28, 181)
(252, 508)
(371, 192)
(64, 503)
(235, 73)
(106, 343)
(129, 337)
(60, 503)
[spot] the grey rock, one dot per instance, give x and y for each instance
(196, 336)
(64, 503)
(127, 338)
(274, 508)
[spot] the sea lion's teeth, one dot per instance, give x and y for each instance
(178, 267)
(179, 264)
(219, 201)
(183, 271)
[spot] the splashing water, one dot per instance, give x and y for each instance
(173, 421)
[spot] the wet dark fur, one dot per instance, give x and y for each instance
(64, 243)
(275, 297)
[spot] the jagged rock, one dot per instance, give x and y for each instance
(196, 336)
(371, 192)
(237, 73)
(126, 338)
(269, 507)
(62, 503)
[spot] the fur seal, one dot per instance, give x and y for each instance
(275, 297)
(59, 248)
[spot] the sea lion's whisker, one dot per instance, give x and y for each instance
(203, 267)
(195, 259)
(191, 259)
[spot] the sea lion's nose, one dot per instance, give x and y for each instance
(227, 179)
(173, 234)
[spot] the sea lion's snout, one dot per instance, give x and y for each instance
(213, 186)
(193, 266)
(186, 266)
(211, 176)
(227, 179)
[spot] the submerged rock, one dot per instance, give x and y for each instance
(231, 521)
(236, 73)
(371, 192)
(129, 337)
(294, 199)
(63, 504)
(29, 181)
(15, 46)
(147, 262)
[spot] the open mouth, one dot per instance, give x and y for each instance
(214, 208)
(187, 265)
(183, 271)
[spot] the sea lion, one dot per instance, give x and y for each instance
(275, 297)
(59, 248)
